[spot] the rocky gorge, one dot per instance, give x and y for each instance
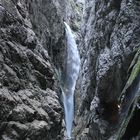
(33, 53)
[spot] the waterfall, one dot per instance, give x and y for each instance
(72, 71)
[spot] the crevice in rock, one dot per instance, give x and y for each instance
(133, 127)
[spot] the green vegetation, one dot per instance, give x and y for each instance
(135, 70)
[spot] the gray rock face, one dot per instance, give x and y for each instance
(110, 39)
(29, 114)
(29, 104)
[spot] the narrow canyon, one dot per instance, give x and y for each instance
(69, 69)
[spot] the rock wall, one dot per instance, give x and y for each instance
(110, 38)
(29, 103)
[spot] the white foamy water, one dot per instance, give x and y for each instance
(72, 71)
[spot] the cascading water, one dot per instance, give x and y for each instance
(72, 71)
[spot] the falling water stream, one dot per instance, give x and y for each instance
(72, 71)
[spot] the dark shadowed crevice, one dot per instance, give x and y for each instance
(133, 127)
